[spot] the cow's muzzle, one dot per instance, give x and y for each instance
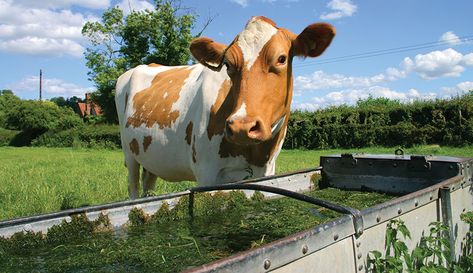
(245, 131)
(248, 131)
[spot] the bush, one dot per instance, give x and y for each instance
(33, 118)
(91, 136)
(41, 116)
(6, 136)
(381, 122)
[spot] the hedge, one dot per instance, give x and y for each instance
(91, 136)
(389, 123)
(6, 136)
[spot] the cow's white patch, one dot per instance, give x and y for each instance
(253, 38)
(241, 113)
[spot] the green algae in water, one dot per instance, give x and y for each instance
(170, 240)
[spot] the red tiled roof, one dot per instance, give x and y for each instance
(85, 109)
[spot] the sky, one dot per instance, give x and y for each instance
(405, 49)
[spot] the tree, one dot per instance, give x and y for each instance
(119, 42)
(69, 102)
(8, 101)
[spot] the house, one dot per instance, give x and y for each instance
(88, 107)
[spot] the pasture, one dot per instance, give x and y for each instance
(41, 180)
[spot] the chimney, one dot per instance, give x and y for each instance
(86, 104)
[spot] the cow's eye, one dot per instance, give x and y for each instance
(282, 59)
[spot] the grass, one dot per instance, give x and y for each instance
(169, 240)
(41, 180)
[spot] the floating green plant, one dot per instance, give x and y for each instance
(170, 240)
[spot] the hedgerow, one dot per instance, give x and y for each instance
(384, 122)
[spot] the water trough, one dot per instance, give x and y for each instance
(428, 189)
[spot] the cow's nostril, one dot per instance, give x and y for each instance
(255, 130)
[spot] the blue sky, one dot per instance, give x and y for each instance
(404, 49)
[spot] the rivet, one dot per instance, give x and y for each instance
(359, 231)
(359, 256)
(416, 203)
(378, 218)
(394, 165)
(267, 264)
(431, 197)
(399, 211)
(360, 267)
(358, 244)
(305, 248)
(335, 237)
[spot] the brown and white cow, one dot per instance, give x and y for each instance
(218, 121)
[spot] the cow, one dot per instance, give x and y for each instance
(221, 120)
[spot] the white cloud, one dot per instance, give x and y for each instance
(450, 38)
(51, 87)
(136, 5)
(245, 3)
(42, 46)
(341, 8)
(465, 86)
(31, 30)
(460, 88)
(351, 96)
(58, 4)
(467, 60)
(242, 3)
(321, 80)
(436, 64)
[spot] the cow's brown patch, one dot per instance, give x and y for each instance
(189, 133)
(146, 142)
(134, 147)
(257, 155)
(154, 65)
(194, 153)
(153, 104)
(220, 111)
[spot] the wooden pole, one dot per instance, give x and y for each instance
(40, 84)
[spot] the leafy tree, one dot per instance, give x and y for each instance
(8, 101)
(119, 42)
(38, 117)
(69, 102)
(377, 103)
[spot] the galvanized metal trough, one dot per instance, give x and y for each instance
(430, 188)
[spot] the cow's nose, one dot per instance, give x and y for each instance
(244, 130)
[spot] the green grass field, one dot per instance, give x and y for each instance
(40, 180)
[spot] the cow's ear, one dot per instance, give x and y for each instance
(207, 51)
(313, 40)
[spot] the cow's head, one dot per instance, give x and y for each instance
(259, 64)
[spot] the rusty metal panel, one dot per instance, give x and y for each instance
(373, 238)
(461, 201)
(336, 258)
(284, 251)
